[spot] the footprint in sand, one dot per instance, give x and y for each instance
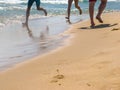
(88, 84)
(54, 81)
(57, 77)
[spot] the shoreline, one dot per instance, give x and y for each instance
(90, 61)
(40, 38)
(64, 43)
(24, 44)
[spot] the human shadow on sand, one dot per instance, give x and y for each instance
(99, 26)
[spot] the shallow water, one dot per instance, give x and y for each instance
(19, 43)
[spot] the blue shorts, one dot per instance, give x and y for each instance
(30, 3)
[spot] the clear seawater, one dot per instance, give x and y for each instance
(17, 44)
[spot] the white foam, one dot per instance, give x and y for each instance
(1, 8)
(25, 1)
(64, 1)
(113, 0)
(1, 24)
(55, 1)
(43, 1)
(13, 1)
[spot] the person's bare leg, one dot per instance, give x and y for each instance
(77, 6)
(42, 9)
(69, 9)
(91, 12)
(27, 16)
(100, 10)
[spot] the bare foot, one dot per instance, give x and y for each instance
(68, 20)
(92, 25)
(99, 19)
(67, 17)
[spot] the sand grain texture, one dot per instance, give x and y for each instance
(91, 61)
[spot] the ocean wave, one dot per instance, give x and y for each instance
(55, 1)
(113, 0)
(43, 1)
(13, 1)
(65, 1)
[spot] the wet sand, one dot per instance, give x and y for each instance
(89, 61)
(19, 43)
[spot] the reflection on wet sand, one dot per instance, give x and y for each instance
(19, 43)
(43, 37)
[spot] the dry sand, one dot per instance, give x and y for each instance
(91, 61)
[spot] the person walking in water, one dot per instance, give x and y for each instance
(100, 11)
(69, 8)
(30, 3)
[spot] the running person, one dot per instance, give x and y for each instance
(30, 3)
(69, 8)
(100, 10)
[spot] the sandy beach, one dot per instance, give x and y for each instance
(89, 60)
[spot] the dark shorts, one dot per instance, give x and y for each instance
(92, 0)
(30, 3)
